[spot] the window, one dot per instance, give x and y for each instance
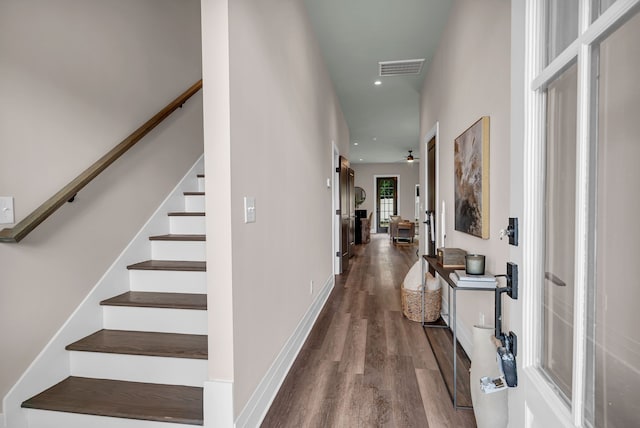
(560, 201)
(562, 26)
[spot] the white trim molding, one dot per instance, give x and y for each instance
(218, 404)
(258, 405)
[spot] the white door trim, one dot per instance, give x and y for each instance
(335, 203)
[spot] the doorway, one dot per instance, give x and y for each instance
(346, 212)
(386, 201)
(428, 241)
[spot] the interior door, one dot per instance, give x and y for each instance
(351, 197)
(573, 153)
(345, 216)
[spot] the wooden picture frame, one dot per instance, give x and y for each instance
(471, 185)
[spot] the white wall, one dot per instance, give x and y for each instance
(409, 176)
(468, 78)
(77, 77)
(271, 135)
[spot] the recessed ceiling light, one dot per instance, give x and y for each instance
(374, 138)
(361, 159)
(378, 82)
(355, 143)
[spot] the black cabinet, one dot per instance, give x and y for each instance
(360, 214)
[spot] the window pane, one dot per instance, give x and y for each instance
(562, 26)
(557, 343)
(617, 293)
(599, 6)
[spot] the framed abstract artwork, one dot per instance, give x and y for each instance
(471, 167)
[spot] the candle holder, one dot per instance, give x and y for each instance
(474, 264)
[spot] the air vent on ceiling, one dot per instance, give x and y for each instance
(400, 68)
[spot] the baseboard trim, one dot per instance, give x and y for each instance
(218, 404)
(256, 408)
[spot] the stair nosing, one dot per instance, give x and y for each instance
(119, 301)
(186, 214)
(170, 265)
(179, 237)
(152, 348)
(89, 388)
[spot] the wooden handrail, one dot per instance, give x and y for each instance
(68, 192)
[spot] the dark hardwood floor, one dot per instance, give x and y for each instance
(364, 364)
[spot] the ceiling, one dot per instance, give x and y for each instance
(354, 35)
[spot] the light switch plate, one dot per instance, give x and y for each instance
(6, 210)
(249, 209)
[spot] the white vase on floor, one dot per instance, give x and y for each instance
(491, 410)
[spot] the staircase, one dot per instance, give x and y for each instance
(146, 367)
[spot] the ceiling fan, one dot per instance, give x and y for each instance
(410, 158)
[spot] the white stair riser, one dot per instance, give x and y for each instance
(184, 321)
(178, 250)
(194, 203)
(49, 419)
(200, 184)
(187, 225)
(168, 281)
(139, 368)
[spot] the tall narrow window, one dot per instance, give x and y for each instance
(387, 201)
(558, 290)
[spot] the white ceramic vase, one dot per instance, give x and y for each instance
(491, 410)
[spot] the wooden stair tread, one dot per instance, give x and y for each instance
(144, 343)
(193, 193)
(120, 399)
(147, 299)
(177, 237)
(177, 265)
(186, 214)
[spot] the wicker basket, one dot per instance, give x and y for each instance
(412, 304)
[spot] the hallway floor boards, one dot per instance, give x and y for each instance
(364, 364)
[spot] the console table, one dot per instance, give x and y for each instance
(434, 266)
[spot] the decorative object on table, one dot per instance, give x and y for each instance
(462, 279)
(471, 186)
(411, 295)
(491, 410)
(474, 264)
(452, 258)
